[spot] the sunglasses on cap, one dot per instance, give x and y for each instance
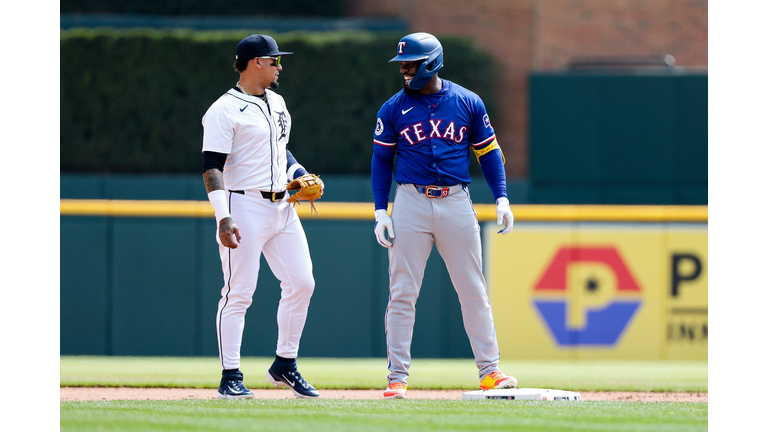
(277, 60)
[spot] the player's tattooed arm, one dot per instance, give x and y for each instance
(213, 170)
(214, 180)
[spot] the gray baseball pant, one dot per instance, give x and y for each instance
(450, 222)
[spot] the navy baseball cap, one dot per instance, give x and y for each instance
(258, 46)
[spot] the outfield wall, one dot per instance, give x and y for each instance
(143, 278)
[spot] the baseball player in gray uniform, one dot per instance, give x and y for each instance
(431, 125)
(246, 167)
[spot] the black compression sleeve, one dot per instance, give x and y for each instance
(213, 160)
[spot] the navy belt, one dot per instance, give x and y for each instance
(272, 196)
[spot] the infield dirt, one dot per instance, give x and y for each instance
(78, 394)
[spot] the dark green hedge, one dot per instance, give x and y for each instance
(325, 8)
(132, 100)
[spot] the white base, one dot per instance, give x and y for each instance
(523, 394)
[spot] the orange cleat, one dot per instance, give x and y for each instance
(497, 380)
(396, 390)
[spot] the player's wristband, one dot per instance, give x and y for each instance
(218, 200)
(295, 171)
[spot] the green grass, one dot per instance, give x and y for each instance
(379, 415)
(374, 415)
(204, 372)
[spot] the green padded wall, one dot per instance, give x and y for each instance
(618, 138)
(150, 286)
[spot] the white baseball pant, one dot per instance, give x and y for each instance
(274, 229)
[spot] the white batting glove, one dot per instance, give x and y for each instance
(504, 215)
(383, 223)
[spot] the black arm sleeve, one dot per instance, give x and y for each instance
(213, 160)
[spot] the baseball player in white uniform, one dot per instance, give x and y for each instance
(430, 126)
(246, 167)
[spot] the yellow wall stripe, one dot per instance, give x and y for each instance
(364, 211)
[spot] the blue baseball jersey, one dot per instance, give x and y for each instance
(432, 135)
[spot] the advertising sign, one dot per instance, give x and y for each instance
(599, 291)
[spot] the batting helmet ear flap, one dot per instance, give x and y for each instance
(433, 66)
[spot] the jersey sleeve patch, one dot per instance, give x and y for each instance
(384, 133)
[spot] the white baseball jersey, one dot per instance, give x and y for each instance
(253, 135)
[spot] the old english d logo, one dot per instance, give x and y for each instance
(587, 296)
(282, 122)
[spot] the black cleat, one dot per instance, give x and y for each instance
(232, 386)
(293, 380)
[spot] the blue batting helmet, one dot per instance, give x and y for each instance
(421, 46)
